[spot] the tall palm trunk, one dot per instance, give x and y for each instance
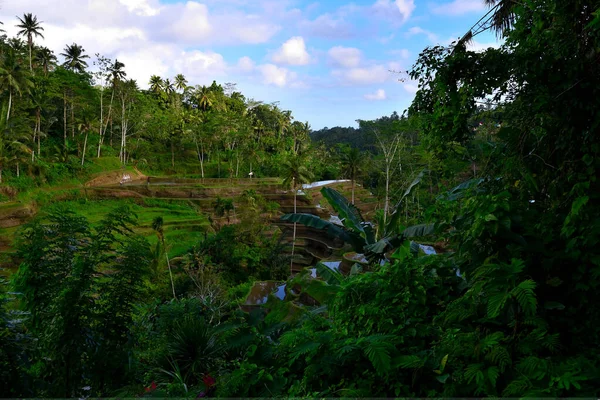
(162, 237)
(294, 234)
(30, 43)
(9, 104)
(84, 146)
(101, 118)
(65, 117)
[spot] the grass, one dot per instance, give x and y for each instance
(183, 225)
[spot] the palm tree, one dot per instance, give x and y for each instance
(504, 15)
(30, 27)
(296, 174)
(117, 72)
(351, 162)
(75, 57)
(157, 225)
(168, 87)
(13, 78)
(180, 82)
(204, 97)
(156, 84)
(46, 59)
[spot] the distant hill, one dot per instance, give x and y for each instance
(340, 135)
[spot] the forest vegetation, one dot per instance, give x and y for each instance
(494, 165)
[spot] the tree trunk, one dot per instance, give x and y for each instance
(84, 147)
(30, 43)
(294, 234)
(387, 193)
(353, 183)
(101, 120)
(237, 167)
(65, 117)
(18, 169)
(9, 104)
(72, 117)
(170, 271)
(172, 154)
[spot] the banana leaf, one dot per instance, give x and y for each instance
(333, 230)
(349, 214)
(329, 275)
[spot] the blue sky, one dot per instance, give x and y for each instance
(328, 61)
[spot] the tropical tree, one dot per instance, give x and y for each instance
(46, 59)
(156, 84)
(352, 161)
(295, 173)
(75, 56)
(84, 127)
(30, 27)
(157, 225)
(13, 78)
(180, 82)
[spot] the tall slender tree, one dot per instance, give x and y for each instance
(296, 174)
(351, 162)
(30, 27)
(13, 78)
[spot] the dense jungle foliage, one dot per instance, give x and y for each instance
(509, 190)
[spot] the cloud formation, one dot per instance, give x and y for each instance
(345, 57)
(417, 30)
(396, 10)
(378, 95)
(292, 52)
(458, 7)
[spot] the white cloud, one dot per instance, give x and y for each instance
(398, 10)
(410, 87)
(274, 75)
(363, 75)
(140, 7)
(347, 57)
(458, 7)
(416, 30)
(292, 52)
(192, 23)
(245, 64)
(378, 95)
(327, 26)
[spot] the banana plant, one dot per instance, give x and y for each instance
(359, 233)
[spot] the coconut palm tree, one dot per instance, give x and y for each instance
(30, 27)
(75, 57)
(351, 162)
(13, 78)
(46, 59)
(203, 97)
(156, 84)
(117, 72)
(295, 173)
(168, 86)
(504, 15)
(180, 82)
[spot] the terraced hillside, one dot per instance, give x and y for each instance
(187, 207)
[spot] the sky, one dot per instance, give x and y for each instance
(330, 62)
